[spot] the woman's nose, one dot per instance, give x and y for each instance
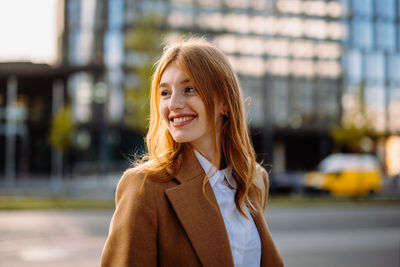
(176, 101)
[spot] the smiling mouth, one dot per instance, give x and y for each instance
(183, 119)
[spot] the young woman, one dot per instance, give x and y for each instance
(199, 199)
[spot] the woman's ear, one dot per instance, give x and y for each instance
(224, 109)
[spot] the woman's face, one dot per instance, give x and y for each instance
(184, 112)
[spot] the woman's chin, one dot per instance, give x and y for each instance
(180, 139)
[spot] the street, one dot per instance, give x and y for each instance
(306, 236)
(345, 236)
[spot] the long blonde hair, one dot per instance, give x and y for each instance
(211, 74)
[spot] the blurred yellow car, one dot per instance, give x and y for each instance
(346, 175)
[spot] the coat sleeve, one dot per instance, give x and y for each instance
(132, 239)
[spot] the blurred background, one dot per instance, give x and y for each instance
(321, 81)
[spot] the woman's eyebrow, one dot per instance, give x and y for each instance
(185, 81)
(162, 85)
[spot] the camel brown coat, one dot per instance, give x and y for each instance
(173, 223)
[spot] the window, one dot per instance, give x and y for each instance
(353, 66)
(80, 48)
(181, 16)
(362, 8)
(302, 98)
(131, 9)
(80, 86)
(374, 97)
(345, 5)
(385, 36)
(73, 13)
(115, 105)
(100, 14)
(113, 48)
(385, 8)
(398, 8)
(154, 7)
(209, 20)
(394, 109)
(115, 13)
(375, 67)
(362, 34)
(327, 105)
(254, 101)
(88, 14)
(208, 3)
(394, 68)
(279, 101)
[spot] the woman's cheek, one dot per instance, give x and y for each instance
(163, 111)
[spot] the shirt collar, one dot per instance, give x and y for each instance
(214, 174)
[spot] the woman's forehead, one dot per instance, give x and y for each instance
(173, 74)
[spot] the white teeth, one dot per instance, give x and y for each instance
(182, 119)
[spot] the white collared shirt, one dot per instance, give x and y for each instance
(243, 234)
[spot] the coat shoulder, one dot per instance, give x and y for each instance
(135, 218)
(139, 180)
(132, 177)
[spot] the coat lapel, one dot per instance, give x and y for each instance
(262, 231)
(200, 218)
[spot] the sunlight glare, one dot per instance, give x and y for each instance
(28, 31)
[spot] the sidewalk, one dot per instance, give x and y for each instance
(103, 187)
(391, 187)
(90, 186)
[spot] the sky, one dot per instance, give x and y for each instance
(28, 31)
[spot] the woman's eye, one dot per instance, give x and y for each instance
(164, 93)
(189, 90)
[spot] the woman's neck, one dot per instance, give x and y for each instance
(205, 147)
(209, 155)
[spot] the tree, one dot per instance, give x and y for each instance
(62, 129)
(356, 132)
(143, 42)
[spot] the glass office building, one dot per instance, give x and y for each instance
(286, 54)
(303, 65)
(372, 61)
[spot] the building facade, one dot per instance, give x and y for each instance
(286, 53)
(304, 66)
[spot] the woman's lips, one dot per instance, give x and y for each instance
(181, 120)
